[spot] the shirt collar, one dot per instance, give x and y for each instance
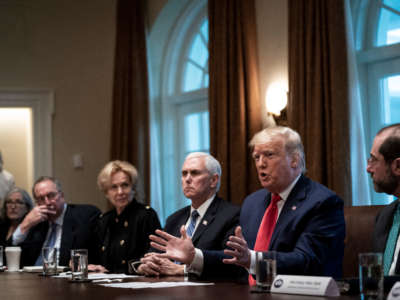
(285, 194)
(203, 208)
(60, 220)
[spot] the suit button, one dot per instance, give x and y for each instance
(103, 248)
(126, 224)
(116, 220)
(123, 262)
(122, 242)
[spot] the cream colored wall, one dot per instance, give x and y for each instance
(66, 46)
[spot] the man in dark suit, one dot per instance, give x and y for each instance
(384, 167)
(299, 219)
(54, 223)
(195, 235)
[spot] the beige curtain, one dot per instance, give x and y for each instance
(318, 83)
(130, 120)
(233, 93)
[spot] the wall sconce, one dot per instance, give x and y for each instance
(276, 100)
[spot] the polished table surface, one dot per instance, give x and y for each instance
(29, 286)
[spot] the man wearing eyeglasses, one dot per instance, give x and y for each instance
(384, 168)
(54, 223)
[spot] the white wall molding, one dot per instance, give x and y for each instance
(42, 104)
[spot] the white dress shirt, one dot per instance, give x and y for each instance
(284, 195)
(19, 237)
(197, 264)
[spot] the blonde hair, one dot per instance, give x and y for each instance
(292, 141)
(104, 177)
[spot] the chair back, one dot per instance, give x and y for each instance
(360, 221)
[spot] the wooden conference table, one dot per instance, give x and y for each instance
(30, 286)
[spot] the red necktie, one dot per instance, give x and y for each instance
(266, 228)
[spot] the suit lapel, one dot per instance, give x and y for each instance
(181, 221)
(293, 202)
(67, 236)
(206, 220)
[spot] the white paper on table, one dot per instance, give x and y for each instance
(39, 269)
(145, 285)
(95, 276)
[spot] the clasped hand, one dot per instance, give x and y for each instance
(153, 265)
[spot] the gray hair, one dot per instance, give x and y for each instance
(47, 178)
(212, 165)
(25, 197)
(292, 141)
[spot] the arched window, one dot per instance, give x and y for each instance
(378, 56)
(180, 99)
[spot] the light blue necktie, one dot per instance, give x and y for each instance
(49, 243)
(391, 242)
(192, 225)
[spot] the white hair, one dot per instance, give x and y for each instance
(212, 165)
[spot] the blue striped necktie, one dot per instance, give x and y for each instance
(192, 225)
(391, 242)
(49, 243)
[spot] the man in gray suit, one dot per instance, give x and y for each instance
(384, 167)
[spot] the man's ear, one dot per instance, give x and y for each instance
(214, 181)
(396, 166)
(295, 160)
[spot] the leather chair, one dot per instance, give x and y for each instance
(360, 221)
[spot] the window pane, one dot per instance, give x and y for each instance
(192, 130)
(199, 51)
(206, 83)
(391, 95)
(192, 80)
(388, 28)
(206, 131)
(197, 132)
(204, 29)
(395, 4)
(196, 66)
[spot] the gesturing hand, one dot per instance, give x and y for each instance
(178, 249)
(38, 214)
(240, 251)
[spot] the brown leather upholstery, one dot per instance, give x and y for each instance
(360, 222)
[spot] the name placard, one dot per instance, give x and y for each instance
(305, 285)
(394, 292)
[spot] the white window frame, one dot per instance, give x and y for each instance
(169, 103)
(374, 63)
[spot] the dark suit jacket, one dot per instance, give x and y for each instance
(4, 227)
(211, 235)
(309, 233)
(383, 224)
(125, 237)
(77, 233)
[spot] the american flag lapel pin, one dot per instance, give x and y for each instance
(205, 222)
